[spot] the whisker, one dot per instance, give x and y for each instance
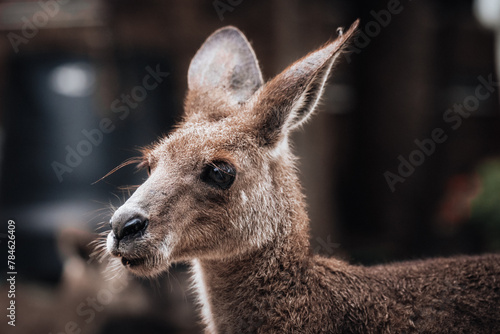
(128, 188)
(129, 161)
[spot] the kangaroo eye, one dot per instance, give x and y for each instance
(219, 174)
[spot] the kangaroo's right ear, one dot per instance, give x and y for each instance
(226, 62)
(290, 98)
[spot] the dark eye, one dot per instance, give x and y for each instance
(219, 174)
(149, 170)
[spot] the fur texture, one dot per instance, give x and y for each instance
(253, 268)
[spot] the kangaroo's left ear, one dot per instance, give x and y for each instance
(225, 63)
(290, 98)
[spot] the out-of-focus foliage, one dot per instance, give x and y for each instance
(486, 206)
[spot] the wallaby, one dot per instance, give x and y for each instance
(223, 194)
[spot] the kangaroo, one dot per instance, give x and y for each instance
(223, 194)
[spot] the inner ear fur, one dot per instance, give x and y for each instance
(225, 63)
(290, 98)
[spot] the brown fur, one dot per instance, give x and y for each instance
(249, 244)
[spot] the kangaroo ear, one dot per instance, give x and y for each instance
(290, 98)
(226, 62)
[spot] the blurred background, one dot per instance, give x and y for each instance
(401, 162)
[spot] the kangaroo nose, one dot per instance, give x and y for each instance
(132, 228)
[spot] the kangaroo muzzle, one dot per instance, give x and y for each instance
(129, 222)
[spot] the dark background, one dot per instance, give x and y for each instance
(63, 77)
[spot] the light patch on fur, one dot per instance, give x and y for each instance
(244, 197)
(167, 245)
(203, 298)
(281, 149)
(110, 241)
(165, 249)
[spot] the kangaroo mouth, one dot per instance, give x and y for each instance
(132, 262)
(143, 266)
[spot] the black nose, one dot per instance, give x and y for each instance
(132, 228)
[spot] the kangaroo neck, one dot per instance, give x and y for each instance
(240, 292)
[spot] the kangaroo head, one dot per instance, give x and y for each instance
(223, 183)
